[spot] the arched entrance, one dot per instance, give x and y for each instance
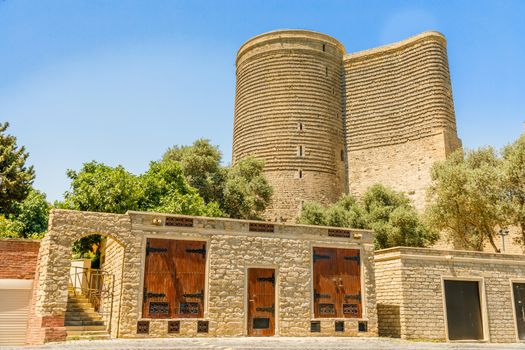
(48, 313)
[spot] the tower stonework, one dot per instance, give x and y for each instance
(288, 112)
(400, 115)
(328, 123)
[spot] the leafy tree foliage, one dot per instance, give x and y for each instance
(514, 184)
(241, 191)
(246, 191)
(15, 177)
(200, 164)
(388, 213)
(33, 214)
(465, 199)
(99, 187)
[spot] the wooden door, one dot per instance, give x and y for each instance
(337, 283)
(174, 279)
(189, 257)
(349, 269)
(159, 280)
(519, 306)
(261, 302)
(326, 280)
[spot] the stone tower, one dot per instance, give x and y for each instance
(288, 112)
(327, 123)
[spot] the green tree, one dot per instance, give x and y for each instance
(15, 177)
(388, 213)
(514, 184)
(246, 190)
(465, 198)
(394, 220)
(10, 228)
(99, 187)
(33, 214)
(165, 189)
(240, 191)
(201, 165)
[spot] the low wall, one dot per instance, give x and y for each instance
(410, 293)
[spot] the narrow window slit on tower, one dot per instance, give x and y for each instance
(326, 71)
(300, 174)
(324, 47)
(300, 151)
(342, 155)
(300, 126)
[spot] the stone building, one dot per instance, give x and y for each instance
(328, 122)
(184, 276)
(450, 295)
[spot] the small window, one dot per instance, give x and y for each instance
(339, 326)
(300, 126)
(300, 151)
(342, 155)
(324, 47)
(326, 71)
(300, 174)
(315, 326)
(362, 326)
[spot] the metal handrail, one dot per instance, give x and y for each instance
(95, 285)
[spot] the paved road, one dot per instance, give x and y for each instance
(264, 344)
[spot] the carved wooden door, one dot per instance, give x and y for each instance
(261, 302)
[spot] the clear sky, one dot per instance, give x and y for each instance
(121, 81)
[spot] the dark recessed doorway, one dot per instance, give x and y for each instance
(463, 306)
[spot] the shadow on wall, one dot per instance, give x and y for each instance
(389, 324)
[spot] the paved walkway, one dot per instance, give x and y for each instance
(264, 344)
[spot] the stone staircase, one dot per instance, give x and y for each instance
(82, 321)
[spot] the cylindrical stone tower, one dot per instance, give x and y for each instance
(289, 113)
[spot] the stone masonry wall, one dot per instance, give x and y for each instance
(113, 264)
(399, 114)
(231, 250)
(289, 97)
(422, 313)
(389, 281)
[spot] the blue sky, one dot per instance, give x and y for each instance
(121, 81)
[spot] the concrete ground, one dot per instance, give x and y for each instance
(264, 344)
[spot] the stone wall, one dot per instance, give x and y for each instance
(399, 114)
(18, 258)
(232, 249)
(112, 262)
(418, 292)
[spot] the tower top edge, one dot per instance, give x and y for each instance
(290, 33)
(428, 35)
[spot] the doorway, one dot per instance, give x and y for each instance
(463, 307)
(518, 290)
(261, 302)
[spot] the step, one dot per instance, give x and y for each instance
(85, 328)
(83, 318)
(80, 309)
(83, 323)
(79, 333)
(88, 337)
